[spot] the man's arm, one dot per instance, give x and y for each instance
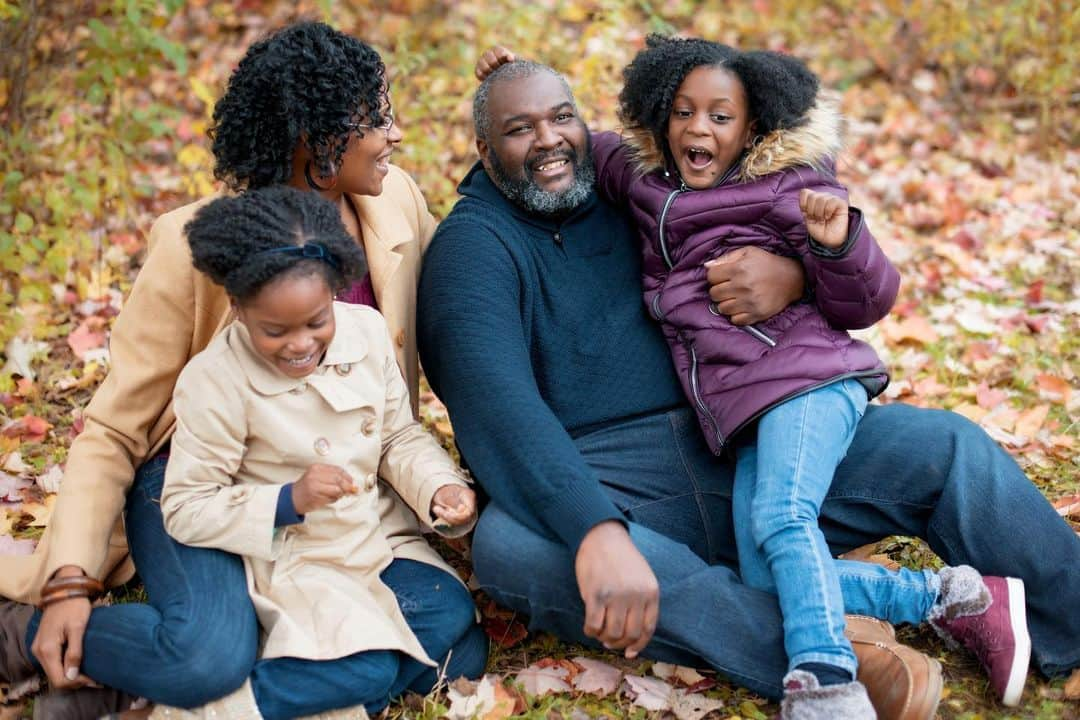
(475, 354)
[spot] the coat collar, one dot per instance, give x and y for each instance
(348, 347)
(815, 142)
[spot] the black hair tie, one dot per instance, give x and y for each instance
(309, 251)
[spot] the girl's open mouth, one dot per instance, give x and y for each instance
(698, 157)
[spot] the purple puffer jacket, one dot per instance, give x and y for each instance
(734, 374)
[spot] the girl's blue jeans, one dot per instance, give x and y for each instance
(781, 480)
(196, 637)
(909, 471)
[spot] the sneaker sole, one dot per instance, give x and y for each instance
(1014, 688)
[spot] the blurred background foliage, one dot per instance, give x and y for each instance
(103, 103)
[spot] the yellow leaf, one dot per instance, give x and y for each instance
(203, 92)
(193, 156)
(971, 411)
(41, 512)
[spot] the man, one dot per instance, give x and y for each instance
(609, 519)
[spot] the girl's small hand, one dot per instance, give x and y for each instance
(492, 58)
(455, 504)
(826, 217)
(319, 486)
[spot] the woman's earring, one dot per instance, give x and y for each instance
(311, 181)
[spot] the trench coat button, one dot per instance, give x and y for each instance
(369, 481)
(368, 427)
(343, 369)
(299, 388)
(322, 446)
(400, 338)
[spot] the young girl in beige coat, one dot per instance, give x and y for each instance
(285, 422)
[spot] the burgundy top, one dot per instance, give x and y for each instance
(362, 292)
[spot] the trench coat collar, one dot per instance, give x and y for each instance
(384, 228)
(348, 347)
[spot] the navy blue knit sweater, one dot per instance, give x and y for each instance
(533, 332)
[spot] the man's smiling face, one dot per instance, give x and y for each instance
(537, 149)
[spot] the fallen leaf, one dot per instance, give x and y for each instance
(693, 706)
(542, 680)
(49, 481)
(915, 328)
(1068, 506)
(1072, 686)
(1053, 388)
(685, 675)
(39, 511)
(1031, 421)
(89, 335)
(596, 677)
(10, 487)
(469, 700)
(20, 354)
(14, 463)
(29, 428)
(11, 546)
(649, 693)
(989, 398)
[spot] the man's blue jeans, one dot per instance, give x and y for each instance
(197, 637)
(781, 479)
(909, 471)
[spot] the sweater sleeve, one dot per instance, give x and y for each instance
(614, 169)
(475, 353)
(854, 285)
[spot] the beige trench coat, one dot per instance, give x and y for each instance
(172, 313)
(243, 429)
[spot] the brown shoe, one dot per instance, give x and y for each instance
(18, 676)
(903, 683)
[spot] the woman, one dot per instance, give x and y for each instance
(307, 107)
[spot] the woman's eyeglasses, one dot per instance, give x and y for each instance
(387, 117)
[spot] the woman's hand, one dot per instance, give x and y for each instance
(826, 217)
(454, 504)
(319, 486)
(58, 645)
(492, 58)
(750, 285)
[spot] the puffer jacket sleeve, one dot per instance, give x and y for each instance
(854, 285)
(200, 504)
(614, 169)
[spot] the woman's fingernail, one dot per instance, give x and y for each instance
(71, 673)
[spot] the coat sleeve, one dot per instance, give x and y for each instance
(475, 352)
(411, 460)
(200, 503)
(614, 170)
(854, 285)
(149, 345)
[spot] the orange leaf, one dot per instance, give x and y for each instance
(1068, 506)
(1031, 421)
(29, 428)
(1053, 388)
(1072, 686)
(915, 328)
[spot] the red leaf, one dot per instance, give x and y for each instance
(90, 335)
(30, 428)
(1034, 294)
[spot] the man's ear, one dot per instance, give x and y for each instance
(482, 149)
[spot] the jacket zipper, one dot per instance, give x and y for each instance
(699, 401)
(663, 216)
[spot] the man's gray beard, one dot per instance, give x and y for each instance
(528, 195)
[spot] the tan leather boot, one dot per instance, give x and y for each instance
(237, 705)
(903, 683)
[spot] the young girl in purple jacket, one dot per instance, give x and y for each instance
(725, 149)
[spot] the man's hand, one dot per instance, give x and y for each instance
(826, 217)
(492, 58)
(454, 504)
(620, 591)
(750, 284)
(319, 486)
(58, 645)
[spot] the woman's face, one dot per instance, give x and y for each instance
(366, 160)
(291, 322)
(710, 125)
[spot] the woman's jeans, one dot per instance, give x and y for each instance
(781, 479)
(909, 471)
(196, 638)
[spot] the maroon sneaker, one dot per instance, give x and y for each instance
(998, 636)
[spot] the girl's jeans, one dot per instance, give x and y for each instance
(196, 637)
(781, 480)
(909, 471)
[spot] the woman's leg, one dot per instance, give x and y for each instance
(196, 637)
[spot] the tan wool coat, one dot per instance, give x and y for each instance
(244, 429)
(172, 313)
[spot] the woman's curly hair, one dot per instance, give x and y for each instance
(305, 83)
(780, 89)
(230, 237)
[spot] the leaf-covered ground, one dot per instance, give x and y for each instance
(970, 180)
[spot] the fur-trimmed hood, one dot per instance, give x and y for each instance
(814, 143)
